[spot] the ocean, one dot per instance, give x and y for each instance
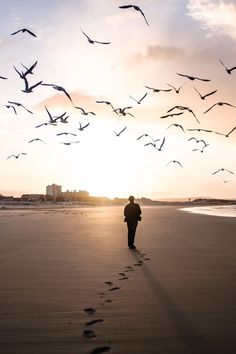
(214, 210)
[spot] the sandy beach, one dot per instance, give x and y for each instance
(174, 295)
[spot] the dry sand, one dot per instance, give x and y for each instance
(54, 264)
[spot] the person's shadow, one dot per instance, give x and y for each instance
(194, 341)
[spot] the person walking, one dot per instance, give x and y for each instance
(132, 213)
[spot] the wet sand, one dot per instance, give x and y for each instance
(175, 294)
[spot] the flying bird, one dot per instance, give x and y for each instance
(20, 105)
(219, 104)
(121, 111)
(84, 112)
(139, 101)
(171, 115)
(30, 69)
(227, 69)
(200, 130)
(119, 133)
(137, 8)
(36, 139)
(59, 88)
(158, 90)
(176, 125)
(92, 41)
(202, 149)
(52, 120)
(153, 144)
(28, 88)
(206, 95)
(183, 108)
(65, 133)
(71, 142)
(107, 103)
(10, 106)
(24, 30)
(177, 89)
(141, 136)
(198, 141)
(193, 77)
(174, 161)
(3, 77)
(222, 169)
(17, 156)
(81, 128)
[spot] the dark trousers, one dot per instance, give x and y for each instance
(132, 225)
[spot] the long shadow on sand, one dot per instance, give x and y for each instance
(194, 342)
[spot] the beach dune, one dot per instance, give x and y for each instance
(70, 285)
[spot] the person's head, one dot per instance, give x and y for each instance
(131, 199)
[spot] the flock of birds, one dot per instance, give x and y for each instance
(25, 73)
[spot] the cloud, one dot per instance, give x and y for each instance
(214, 15)
(159, 53)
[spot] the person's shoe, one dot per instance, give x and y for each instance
(132, 247)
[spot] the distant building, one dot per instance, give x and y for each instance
(74, 195)
(54, 191)
(33, 197)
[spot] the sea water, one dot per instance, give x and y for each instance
(215, 210)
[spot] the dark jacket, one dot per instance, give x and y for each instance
(132, 212)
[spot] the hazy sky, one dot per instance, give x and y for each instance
(187, 37)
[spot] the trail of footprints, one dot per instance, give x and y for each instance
(88, 333)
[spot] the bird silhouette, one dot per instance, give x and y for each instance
(10, 106)
(71, 142)
(177, 89)
(59, 88)
(200, 130)
(91, 41)
(36, 139)
(17, 156)
(223, 169)
(141, 136)
(158, 90)
(153, 144)
(20, 105)
(120, 132)
(30, 69)
(135, 7)
(29, 89)
(174, 161)
(202, 149)
(107, 103)
(24, 30)
(3, 77)
(192, 78)
(206, 95)
(139, 101)
(66, 133)
(183, 108)
(52, 120)
(227, 69)
(84, 112)
(81, 128)
(198, 141)
(171, 115)
(219, 104)
(177, 126)
(121, 111)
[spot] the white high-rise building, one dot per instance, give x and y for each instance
(54, 191)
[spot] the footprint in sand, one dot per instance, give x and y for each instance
(108, 283)
(108, 300)
(146, 259)
(99, 350)
(88, 334)
(124, 278)
(89, 310)
(90, 323)
(123, 274)
(115, 288)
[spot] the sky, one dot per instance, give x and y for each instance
(188, 37)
